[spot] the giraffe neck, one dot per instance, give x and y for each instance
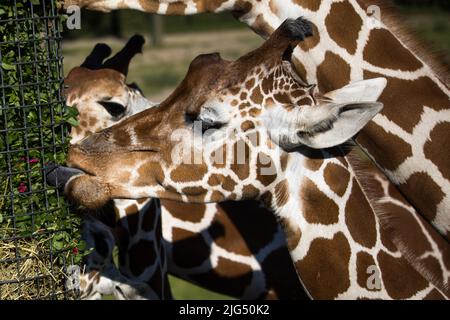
(334, 236)
(181, 7)
(408, 140)
(142, 254)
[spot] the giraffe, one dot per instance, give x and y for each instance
(356, 40)
(274, 136)
(99, 92)
(212, 245)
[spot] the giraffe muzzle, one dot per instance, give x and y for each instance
(58, 176)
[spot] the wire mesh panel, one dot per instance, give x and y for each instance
(38, 238)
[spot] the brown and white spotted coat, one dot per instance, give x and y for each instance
(409, 139)
(262, 107)
(213, 245)
(99, 92)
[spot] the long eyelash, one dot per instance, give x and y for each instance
(113, 108)
(209, 125)
(190, 118)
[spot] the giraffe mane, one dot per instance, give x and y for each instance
(391, 222)
(424, 50)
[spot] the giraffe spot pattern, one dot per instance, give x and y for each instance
(249, 192)
(313, 164)
(149, 216)
(407, 95)
(226, 235)
(281, 193)
(344, 33)
(434, 295)
(229, 277)
(416, 186)
(388, 149)
(183, 242)
(337, 178)
(188, 172)
(244, 214)
(241, 8)
(247, 125)
(217, 196)
(192, 212)
(363, 262)
(399, 278)
(437, 148)
(147, 170)
(290, 288)
(317, 206)
(310, 42)
(324, 270)
(332, 73)
(176, 8)
(149, 6)
(141, 255)
(359, 219)
(312, 5)
(266, 173)
(240, 164)
(292, 233)
(218, 157)
(200, 192)
(396, 58)
(131, 213)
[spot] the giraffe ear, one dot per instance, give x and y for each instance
(347, 111)
(332, 124)
(364, 90)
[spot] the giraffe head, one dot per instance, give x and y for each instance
(224, 133)
(99, 90)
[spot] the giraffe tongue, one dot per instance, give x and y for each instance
(57, 175)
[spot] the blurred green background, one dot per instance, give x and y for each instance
(162, 66)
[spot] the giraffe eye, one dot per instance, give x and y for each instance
(206, 125)
(113, 108)
(191, 118)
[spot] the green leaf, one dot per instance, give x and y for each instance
(8, 66)
(73, 122)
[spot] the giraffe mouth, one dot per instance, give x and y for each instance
(58, 176)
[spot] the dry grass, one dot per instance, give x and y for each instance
(29, 268)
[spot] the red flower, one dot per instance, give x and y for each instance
(22, 188)
(33, 160)
(75, 250)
